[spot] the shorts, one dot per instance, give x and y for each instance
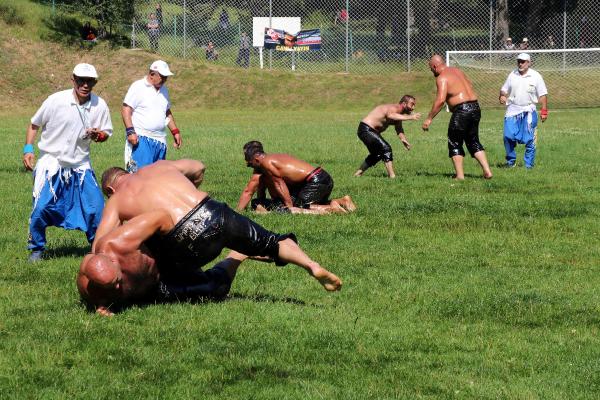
(379, 149)
(214, 283)
(464, 127)
(315, 190)
(200, 236)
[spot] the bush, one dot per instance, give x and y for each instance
(11, 15)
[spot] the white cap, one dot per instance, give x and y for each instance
(85, 71)
(507, 39)
(524, 56)
(525, 39)
(161, 67)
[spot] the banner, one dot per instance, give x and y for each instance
(281, 40)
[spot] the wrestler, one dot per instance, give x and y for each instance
(295, 185)
(181, 226)
(454, 88)
(377, 121)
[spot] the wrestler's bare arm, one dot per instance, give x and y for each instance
(248, 192)
(401, 135)
(128, 238)
(110, 220)
(192, 169)
(273, 170)
(403, 117)
(438, 103)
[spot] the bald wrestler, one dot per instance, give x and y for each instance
(295, 185)
(455, 89)
(174, 225)
(377, 121)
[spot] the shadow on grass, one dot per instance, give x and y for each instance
(66, 251)
(445, 175)
(151, 302)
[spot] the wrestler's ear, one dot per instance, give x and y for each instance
(109, 191)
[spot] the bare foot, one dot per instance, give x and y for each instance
(458, 178)
(347, 203)
(337, 207)
(261, 210)
(329, 281)
(358, 173)
(488, 175)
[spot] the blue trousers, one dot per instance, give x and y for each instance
(78, 205)
(517, 129)
(148, 151)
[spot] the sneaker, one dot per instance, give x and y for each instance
(510, 165)
(36, 256)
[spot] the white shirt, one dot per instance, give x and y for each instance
(64, 122)
(523, 91)
(149, 107)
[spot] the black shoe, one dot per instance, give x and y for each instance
(36, 256)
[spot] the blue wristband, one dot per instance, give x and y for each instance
(28, 148)
(129, 131)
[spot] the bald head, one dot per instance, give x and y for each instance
(99, 279)
(436, 64)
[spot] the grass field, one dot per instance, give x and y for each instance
(479, 289)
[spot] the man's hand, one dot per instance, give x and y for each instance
(177, 140)
(502, 99)
(133, 139)
(28, 161)
(415, 116)
(544, 114)
(407, 145)
(426, 124)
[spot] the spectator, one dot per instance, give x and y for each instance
(153, 31)
(224, 19)
(159, 15)
(549, 43)
(211, 52)
(88, 33)
(243, 58)
(524, 44)
(585, 34)
(508, 44)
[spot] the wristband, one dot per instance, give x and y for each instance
(130, 131)
(175, 131)
(544, 112)
(28, 148)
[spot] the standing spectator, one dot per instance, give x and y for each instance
(585, 34)
(549, 43)
(65, 191)
(153, 32)
(508, 44)
(159, 15)
(523, 89)
(524, 44)
(224, 19)
(211, 52)
(146, 112)
(243, 58)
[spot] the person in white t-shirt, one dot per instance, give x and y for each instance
(146, 113)
(65, 191)
(523, 90)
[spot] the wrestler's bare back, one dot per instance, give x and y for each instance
(459, 88)
(291, 169)
(378, 117)
(139, 193)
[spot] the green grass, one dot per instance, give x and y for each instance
(479, 289)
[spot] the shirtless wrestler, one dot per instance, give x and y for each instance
(182, 227)
(455, 89)
(295, 185)
(372, 126)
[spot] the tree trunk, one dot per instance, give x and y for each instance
(501, 31)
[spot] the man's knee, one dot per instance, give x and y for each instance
(475, 147)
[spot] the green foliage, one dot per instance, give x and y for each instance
(11, 15)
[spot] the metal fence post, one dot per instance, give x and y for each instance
(270, 26)
(347, 31)
(184, 28)
(408, 66)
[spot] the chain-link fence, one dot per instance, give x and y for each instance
(361, 36)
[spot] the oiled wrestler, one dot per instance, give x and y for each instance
(455, 89)
(181, 225)
(295, 185)
(372, 126)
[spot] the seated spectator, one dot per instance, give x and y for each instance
(549, 43)
(88, 33)
(341, 16)
(508, 44)
(211, 52)
(524, 44)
